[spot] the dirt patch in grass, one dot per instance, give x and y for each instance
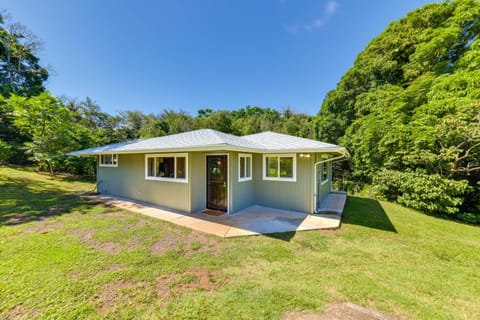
(197, 279)
(166, 243)
(343, 311)
(21, 312)
(108, 247)
(88, 274)
(19, 218)
(118, 294)
(113, 268)
(142, 223)
(113, 214)
(167, 288)
(44, 226)
(54, 210)
(176, 285)
(188, 244)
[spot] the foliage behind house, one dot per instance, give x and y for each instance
(409, 110)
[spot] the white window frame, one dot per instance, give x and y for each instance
(114, 160)
(244, 156)
(168, 155)
(282, 155)
(323, 167)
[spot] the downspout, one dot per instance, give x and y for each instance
(315, 195)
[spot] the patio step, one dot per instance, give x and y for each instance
(253, 220)
(333, 202)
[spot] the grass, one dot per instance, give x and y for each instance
(65, 257)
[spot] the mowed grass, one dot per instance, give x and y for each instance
(65, 257)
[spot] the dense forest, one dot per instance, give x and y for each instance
(39, 128)
(408, 111)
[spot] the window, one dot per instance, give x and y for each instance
(108, 160)
(244, 167)
(324, 173)
(167, 167)
(279, 167)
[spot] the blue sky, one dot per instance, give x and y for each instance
(151, 55)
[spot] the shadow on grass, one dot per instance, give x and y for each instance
(284, 236)
(367, 213)
(25, 200)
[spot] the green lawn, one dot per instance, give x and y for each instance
(64, 257)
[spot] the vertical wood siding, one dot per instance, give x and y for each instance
(243, 193)
(198, 181)
(128, 180)
(297, 196)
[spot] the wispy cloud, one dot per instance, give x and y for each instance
(331, 8)
(327, 14)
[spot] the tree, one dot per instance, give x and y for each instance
(220, 120)
(11, 138)
(408, 109)
(176, 122)
(296, 124)
(20, 71)
(255, 119)
(48, 123)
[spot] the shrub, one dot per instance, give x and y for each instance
(5, 152)
(428, 193)
(469, 217)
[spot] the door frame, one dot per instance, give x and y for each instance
(228, 177)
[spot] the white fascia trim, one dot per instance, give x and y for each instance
(220, 147)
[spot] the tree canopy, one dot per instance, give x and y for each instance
(408, 111)
(409, 108)
(20, 71)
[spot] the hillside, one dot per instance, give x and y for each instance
(62, 256)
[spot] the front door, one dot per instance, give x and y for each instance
(217, 182)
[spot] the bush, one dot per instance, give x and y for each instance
(469, 217)
(428, 193)
(5, 152)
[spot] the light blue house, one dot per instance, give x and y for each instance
(207, 169)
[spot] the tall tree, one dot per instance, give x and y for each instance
(20, 71)
(409, 106)
(220, 120)
(48, 123)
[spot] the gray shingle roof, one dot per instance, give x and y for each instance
(208, 139)
(277, 141)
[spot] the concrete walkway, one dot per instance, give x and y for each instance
(333, 202)
(253, 220)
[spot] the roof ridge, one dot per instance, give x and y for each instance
(289, 136)
(220, 135)
(211, 139)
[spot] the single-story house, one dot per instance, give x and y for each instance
(207, 169)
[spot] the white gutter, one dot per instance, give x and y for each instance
(221, 147)
(315, 195)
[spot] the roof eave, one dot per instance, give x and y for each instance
(217, 147)
(220, 147)
(305, 150)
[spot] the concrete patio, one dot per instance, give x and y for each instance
(333, 202)
(253, 220)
